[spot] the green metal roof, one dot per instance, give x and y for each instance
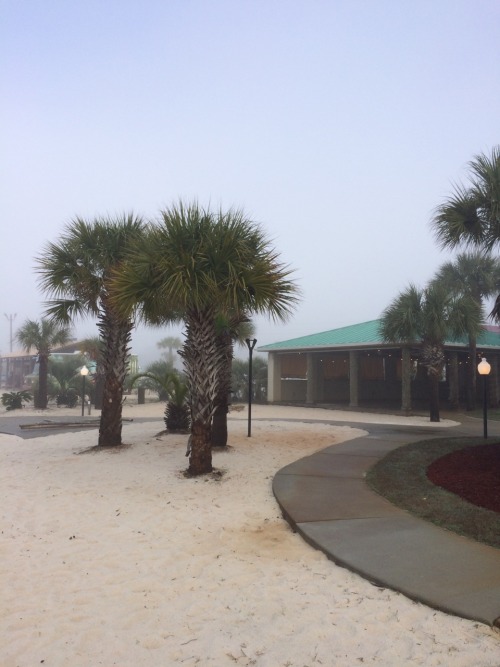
(366, 334)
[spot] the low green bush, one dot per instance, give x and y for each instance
(14, 400)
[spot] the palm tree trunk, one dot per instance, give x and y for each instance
(99, 388)
(116, 335)
(471, 376)
(454, 396)
(203, 362)
(434, 396)
(200, 460)
(219, 422)
(43, 372)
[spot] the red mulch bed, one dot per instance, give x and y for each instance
(472, 473)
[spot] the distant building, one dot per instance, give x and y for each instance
(352, 366)
(18, 369)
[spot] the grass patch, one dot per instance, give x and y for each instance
(401, 478)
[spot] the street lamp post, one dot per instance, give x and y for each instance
(84, 371)
(250, 345)
(484, 369)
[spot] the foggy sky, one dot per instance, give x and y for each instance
(337, 125)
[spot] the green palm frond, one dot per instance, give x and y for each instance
(432, 315)
(193, 259)
(471, 215)
(77, 269)
(42, 335)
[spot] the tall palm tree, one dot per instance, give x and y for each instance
(42, 335)
(478, 275)
(427, 318)
(170, 343)
(470, 217)
(77, 271)
(194, 265)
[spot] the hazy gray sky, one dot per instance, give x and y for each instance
(337, 124)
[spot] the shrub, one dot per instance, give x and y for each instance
(69, 397)
(177, 418)
(14, 400)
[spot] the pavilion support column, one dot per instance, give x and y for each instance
(454, 388)
(406, 380)
(312, 378)
(353, 379)
(273, 377)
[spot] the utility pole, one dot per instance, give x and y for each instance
(10, 319)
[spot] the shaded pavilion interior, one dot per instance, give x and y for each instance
(352, 367)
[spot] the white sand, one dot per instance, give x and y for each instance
(117, 559)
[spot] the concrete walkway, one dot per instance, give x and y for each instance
(325, 498)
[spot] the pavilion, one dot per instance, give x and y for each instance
(353, 366)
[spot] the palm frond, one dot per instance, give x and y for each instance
(471, 215)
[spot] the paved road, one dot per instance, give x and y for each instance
(13, 425)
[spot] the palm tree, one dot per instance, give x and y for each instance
(478, 275)
(177, 414)
(77, 271)
(43, 336)
(66, 374)
(428, 317)
(471, 215)
(195, 265)
(170, 343)
(171, 387)
(156, 377)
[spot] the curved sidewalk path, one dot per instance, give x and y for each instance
(326, 499)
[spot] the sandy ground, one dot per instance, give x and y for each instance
(118, 559)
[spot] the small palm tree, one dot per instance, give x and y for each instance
(156, 377)
(428, 317)
(43, 336)
(171, 387)
(13, 400)
(66, 374)
(78, 272)
(193, 266)
(177, 413)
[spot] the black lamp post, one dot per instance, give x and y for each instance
(484, 369)
(84, 371)
(250, 345)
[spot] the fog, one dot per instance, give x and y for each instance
(338, 126)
